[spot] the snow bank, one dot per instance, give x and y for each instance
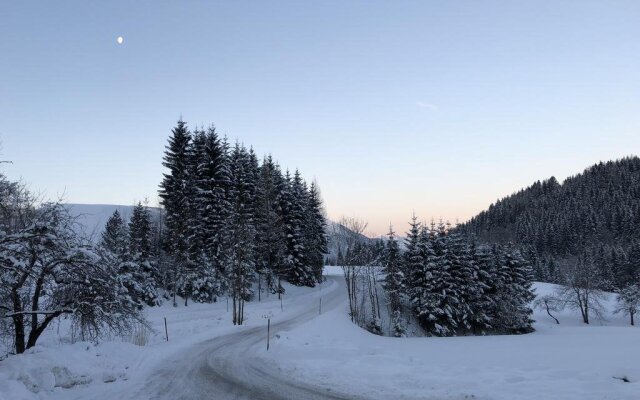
(42, 370)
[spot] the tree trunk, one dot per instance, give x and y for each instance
(18, 322)
(234, 308)
(259, 285)
(549, 312)
(35, 303)
(18, 325)
(631, 313)
(34, 335)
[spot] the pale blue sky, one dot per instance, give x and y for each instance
(434, 106)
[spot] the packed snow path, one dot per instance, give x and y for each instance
(226, 367)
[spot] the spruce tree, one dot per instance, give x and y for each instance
(296, 271)
(271, 240)
(240, 231)
(143, 265)
(441, 297)
(315, 233)
(174, 195)
(394, 283)
(114, 236)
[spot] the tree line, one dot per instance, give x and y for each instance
(232, 221)
(583, 233)
(454, 286)
(229, 224)
(445, 280)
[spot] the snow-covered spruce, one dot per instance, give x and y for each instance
(454, 286)
(593, 215)
(231, 221)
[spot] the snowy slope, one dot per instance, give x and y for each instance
(330, 354)
(567, 361)
(93, 217)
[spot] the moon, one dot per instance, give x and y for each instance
(120, 40)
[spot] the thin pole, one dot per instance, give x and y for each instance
(268, 332)
(281, 307)
(320, 308)
(166, 331)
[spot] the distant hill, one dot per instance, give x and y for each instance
(596, 213)
(337, 239)
(93, 217)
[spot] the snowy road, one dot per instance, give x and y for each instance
(226, 367)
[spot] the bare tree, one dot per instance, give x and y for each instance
(582, 288)
(350, 231)
(374, 326)
(549, 303)
(629, 301)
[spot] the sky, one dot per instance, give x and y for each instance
(432, 107)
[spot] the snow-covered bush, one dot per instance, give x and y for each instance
(48, 270)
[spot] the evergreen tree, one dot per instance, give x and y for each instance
(174, 194)
(596, 211)
(394, 283)
(514, 293)
(441, 299)
(315, 236)
(271, 241)
(117, 256)
(241, 232)
(114, 236)
(142, 264)
(412, 258)
(293, 206)
(211, 209)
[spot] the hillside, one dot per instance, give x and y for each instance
(92, 218)
(595, 214)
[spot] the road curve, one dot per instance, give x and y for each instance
(226, 368)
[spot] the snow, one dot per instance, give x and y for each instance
(58, 369)
(567, 361)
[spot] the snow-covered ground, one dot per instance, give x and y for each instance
(569, 361)
(59, 369)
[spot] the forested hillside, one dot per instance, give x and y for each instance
(593, 216)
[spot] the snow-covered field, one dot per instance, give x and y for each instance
(567, 361)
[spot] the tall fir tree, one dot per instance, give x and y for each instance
(114, 236)
(241, 232)
(296, 271)
(140, 236)
(271, 241)
(394, 283)
(174, 195)
(315, 233)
